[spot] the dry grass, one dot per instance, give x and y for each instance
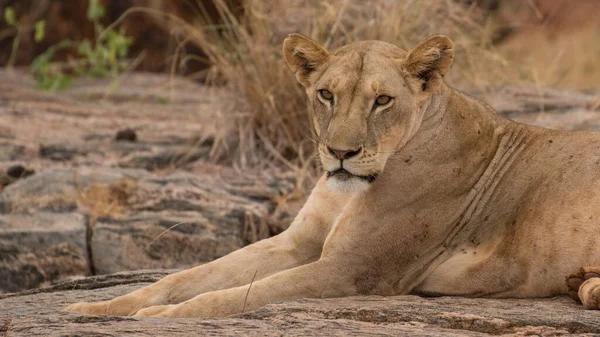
(103, 200)
(553, 43)
(253, 231)
(271, 121)
(566, 61)
(5, 324)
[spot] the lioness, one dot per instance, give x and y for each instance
(426, 190)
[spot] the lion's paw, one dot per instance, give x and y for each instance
(115, 307)
(584, 287)
(90, 309)
(589, 293)
(574, 281)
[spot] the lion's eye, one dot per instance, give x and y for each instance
(326, 95)
(382, 100)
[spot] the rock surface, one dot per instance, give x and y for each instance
(91, 204)
(39, 313)
(109, 220)
(40, 247)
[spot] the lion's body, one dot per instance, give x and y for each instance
(427, 190)
(535, 216)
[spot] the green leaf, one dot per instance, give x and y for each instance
(55, 82)
(39, 64)
(48, 78)
(64, 82)
(85, 48)
(45, 58)
(106, 55)
(40, 30)
(95, 10)
(9, 16)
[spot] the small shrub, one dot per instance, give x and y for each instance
(105, 56)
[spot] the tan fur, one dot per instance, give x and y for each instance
(464, 202)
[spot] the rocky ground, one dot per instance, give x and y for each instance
(99, 180)
(105, 178)
(38, 313)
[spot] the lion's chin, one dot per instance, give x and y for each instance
(343, 181)
(351, 185)
(343, 175)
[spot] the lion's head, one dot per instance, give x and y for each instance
(367, 100)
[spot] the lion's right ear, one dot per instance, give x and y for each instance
(430, 60)
(303, 56)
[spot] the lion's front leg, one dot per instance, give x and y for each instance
(300, 244)
(323, 278)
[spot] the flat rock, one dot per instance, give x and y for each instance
(40, 248)
(38, 313)
(175, 240)
(107, 220)
(59, 189)
(10, 151)
(158, 202)
(546, 107)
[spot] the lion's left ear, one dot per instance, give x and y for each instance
(303, 56)
(430, 59)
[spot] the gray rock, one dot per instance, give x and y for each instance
(58, 189)
(136, 208)
(9, 151)
(144, 154)
(41, 248)
(38, 313)
(126, 135)
(60, 152)
(178, 221)
(177, 240)
(170, 158)
(19, 171)
(127, 219)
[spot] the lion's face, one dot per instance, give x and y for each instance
(360, 117)
(367, 101)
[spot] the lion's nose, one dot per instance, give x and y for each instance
(343, 154)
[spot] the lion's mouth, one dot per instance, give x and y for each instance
(344, 175)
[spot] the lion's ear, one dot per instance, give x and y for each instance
(303, 56)
(430, 59)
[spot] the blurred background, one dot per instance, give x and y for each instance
(237, 43)
(142, 134)
(552, 42)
